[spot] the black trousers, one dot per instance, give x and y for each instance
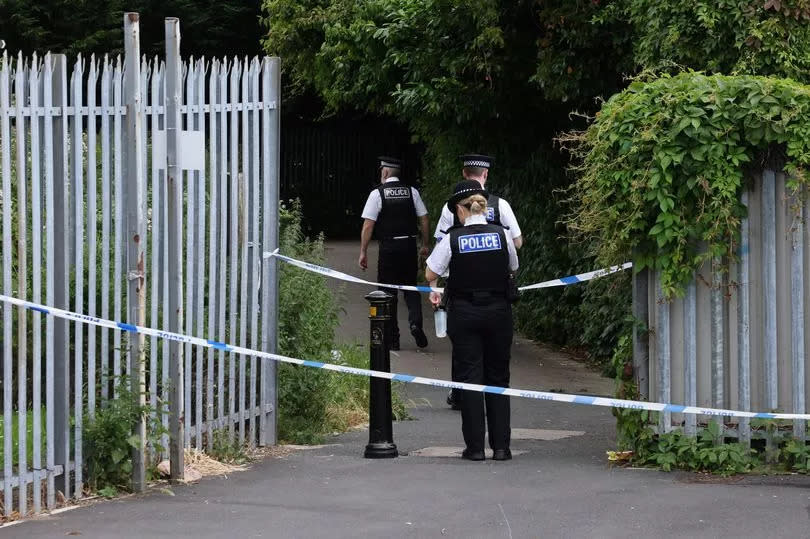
(397, 264)
(482, 341)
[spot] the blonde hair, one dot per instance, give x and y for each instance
(477, 204)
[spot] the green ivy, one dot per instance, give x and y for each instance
(662, 166)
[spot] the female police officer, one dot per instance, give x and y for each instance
(479, 257)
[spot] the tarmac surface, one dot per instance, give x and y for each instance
(560, 485)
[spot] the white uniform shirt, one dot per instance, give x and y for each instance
(373, 205)
(507, 220)
(439, 259)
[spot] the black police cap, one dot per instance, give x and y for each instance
(464, 189)
(476, 160)
(389, 162)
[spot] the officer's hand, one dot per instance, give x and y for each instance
(363, 261)
(424, 251)
(435, 298)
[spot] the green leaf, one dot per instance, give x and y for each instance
(117, 456)
(698, 154)
(134, 441)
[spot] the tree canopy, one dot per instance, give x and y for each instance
(210, 27)
(504, 77)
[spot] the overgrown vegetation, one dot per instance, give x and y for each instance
(707, 451)
(662, 166)
(109, 440)
(314, 402)
(762, 37)
(226, 448)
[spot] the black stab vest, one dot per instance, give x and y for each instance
(398, 214)
(479, 261)
(493, 212)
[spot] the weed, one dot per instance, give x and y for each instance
(226, 448)
(109, 440)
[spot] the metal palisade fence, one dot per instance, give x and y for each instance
(738, 339)
(85, 204)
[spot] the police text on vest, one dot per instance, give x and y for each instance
(396, 192)
(471, 243)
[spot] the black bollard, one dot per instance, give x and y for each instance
(380, 430)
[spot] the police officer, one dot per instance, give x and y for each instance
(476, 167)
(479, 258)
(390, 214)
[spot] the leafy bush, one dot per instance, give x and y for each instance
(701, 453)
(662, 166)
(796, 455)
(307, 318)
(763, 37)
(109, 440)
(314, 402)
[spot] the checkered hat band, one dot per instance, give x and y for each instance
(476, 163)
(467, 191)
(389, 164)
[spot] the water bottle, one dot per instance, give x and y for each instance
(440, 321)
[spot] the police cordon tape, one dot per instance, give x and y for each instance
(563, 281)
(396, 377)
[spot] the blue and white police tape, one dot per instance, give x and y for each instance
(563, 281)
(406, 378)
(344, 276)
(582, 277)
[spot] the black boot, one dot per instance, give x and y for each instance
(454, 399)
(472, 454)
(419, 336)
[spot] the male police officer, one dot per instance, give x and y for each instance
(391, 213)
(476, 167)
(499, 212)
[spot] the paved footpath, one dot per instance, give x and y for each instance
(559, 486)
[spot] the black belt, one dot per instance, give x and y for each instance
(479, 296)
(398, 238)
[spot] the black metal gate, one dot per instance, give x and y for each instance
(331, 167)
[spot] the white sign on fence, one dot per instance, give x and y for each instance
(191, 154)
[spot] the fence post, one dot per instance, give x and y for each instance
(663, 352)
(641, 340)
(136, 234)
(271, 120)
(690, 332)
(718, 338)
(175, 226)
(770, 347)
(744, 326)
(797, 313)
(61, 272)
(5, 153)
